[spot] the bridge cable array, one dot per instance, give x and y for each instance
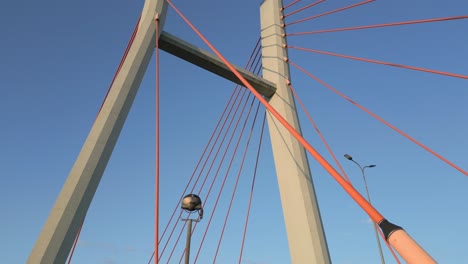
(354, 194)
(254, 59)
(330, 151)
(380, 119)
(232, 109)
(376, 62)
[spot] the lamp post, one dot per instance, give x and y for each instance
(368, 199)
(191, 203)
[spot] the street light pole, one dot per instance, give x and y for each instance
(187, 245)
(191, 203)
(369, 199)
(365, 182)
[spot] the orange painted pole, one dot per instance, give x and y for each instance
(406, 246)
(413, 252)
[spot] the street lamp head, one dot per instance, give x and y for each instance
(348, 157)
(192, 203)
(371, 166)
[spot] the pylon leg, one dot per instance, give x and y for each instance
(307, 243)
(67, 215)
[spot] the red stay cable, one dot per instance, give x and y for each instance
(379, 25)
(220, 165)
(198, 164)
(380, 119)
(251, 62)
(226, 175)
(337, 162)
(318, 131)
(216, 154)
(241, 166)
(224, 137)
(291, 4)
(335, 159)
(380, 62)
(252, 189)
(221, 162)
(74, 245)
(304, 8)
(257, 71)
(243, 94)
(122, 60)
(227, 147)
(177, 241)
(211, 138)
(329, 12)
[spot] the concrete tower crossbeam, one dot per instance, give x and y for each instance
(210, 62)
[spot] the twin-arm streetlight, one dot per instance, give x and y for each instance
(368, 199)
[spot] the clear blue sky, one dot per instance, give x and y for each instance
(58, 58)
